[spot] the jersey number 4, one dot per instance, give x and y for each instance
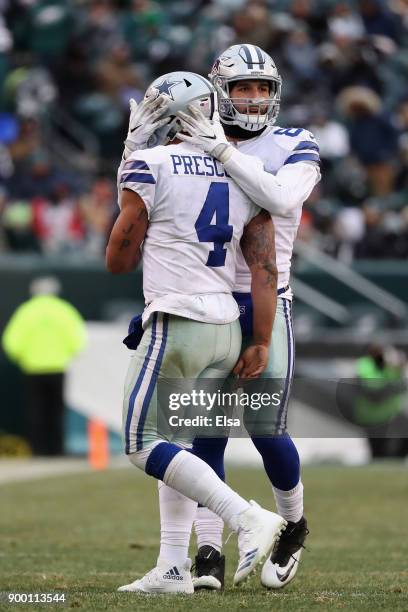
(216, 203)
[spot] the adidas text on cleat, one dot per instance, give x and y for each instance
(258, 530)
(209, 569)
(283, 563)
(164, 579)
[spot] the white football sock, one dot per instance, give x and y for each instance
(194, 478)
(208, 527)
(177, 514)
(290, 503)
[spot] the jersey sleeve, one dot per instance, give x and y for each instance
(140, 176)
(254, 210)
(281, 193)
(297, 145)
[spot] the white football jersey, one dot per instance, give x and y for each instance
(197, 215)
(277, 147)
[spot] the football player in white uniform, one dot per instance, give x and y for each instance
(190, 218)
(277, 168)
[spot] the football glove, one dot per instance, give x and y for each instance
(143, 122)
(203, 133)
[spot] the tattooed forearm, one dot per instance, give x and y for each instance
(271, 277)
(124, 244)
(258, 241)
(257, 248)
(123, 251)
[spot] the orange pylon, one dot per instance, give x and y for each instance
(98, 445)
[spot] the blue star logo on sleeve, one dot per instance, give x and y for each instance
(165, 87)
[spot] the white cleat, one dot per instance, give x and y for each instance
(283, 564)
(207, 583)
(164, 579)
(274, 576)
(258, 530)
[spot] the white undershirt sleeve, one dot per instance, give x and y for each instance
(279, 194)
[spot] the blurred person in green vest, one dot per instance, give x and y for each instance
(42, 337)
(382, 400)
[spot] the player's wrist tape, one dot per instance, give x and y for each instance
(222, 152)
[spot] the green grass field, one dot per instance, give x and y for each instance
(86, 534)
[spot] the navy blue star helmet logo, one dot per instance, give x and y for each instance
(165, 87)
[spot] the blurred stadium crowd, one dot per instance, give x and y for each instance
(69, 67)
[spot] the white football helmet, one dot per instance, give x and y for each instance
(243, 62)
(183, 88)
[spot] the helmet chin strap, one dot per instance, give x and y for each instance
(235, 131)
